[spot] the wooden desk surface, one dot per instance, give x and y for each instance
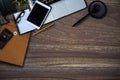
(90, 51)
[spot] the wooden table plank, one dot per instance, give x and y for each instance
(90, 51)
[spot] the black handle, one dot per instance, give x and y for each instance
(78, 22)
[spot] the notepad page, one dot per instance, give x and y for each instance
(23, 26)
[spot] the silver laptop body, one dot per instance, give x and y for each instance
(63, 8)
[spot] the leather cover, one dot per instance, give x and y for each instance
(15, 50)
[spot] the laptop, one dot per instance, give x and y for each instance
(62, 8)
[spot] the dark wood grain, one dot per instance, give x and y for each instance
(90, 51)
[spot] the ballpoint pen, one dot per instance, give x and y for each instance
(19, 16)
(78, 22)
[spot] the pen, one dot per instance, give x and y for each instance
(19, 16)
(44, 28)
(80, 20)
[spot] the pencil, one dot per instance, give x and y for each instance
(43, 29)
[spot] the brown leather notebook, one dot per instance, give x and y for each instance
(14, 51)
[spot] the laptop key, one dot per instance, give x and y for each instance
(47, 2)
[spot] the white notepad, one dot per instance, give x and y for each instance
(23, 26)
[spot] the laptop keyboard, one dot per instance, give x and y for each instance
(47, 2)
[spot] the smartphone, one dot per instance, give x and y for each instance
(38, 14)
(5, 36)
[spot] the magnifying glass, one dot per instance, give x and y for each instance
(96, 9)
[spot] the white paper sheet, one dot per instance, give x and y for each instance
(23, 26)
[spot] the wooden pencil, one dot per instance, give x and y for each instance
(43, 29)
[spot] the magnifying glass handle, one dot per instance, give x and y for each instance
(79, 21)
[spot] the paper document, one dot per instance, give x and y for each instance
(23, 26)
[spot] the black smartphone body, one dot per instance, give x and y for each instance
(5, 36)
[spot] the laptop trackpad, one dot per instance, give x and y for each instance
(59, 9)
(75, 5)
